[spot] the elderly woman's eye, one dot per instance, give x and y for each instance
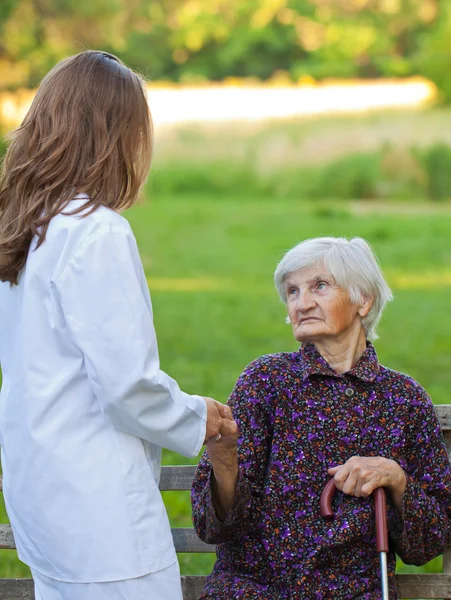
(321, 285)
(291, 291)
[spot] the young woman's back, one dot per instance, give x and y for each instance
(84, 406)
(70, 473)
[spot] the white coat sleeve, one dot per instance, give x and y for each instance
(106, 306)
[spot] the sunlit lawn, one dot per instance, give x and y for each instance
(210, 264)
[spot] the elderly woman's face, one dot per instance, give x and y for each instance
(317, 307)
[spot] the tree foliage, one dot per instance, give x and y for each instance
(186, 40)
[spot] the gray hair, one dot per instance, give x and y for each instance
(353, 266)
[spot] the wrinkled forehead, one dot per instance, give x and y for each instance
(310, 274)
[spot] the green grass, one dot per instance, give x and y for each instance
(210, 265)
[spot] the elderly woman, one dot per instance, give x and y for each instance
(327, 410)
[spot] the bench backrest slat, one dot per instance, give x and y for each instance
(185, 540)
(444, 416)
(177, 478)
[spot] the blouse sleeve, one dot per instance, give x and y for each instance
(424, 529)
(108, 315)
(250, 402)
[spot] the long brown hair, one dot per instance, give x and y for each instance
(88, 130)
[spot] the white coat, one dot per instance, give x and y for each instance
(85, 408)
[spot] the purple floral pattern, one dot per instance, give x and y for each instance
(297, 417)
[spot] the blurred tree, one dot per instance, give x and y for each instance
(213, 39)
(41, 32)
(433, 59)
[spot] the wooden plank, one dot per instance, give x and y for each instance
(428, 586)
(173, 478)
(447, 436)
(185, 540)
(6, 539)
(191, 586)
(16, 589)
(424, 585)
(23, 589)
(444, 415)
(177, 478)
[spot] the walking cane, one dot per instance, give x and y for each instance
(381, 525)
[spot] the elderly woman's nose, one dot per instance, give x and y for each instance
(305, 300)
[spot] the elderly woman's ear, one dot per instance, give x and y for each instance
(365, 306)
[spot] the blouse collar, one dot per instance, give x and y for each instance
(312, 363)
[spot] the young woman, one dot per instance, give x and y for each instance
(84, 406)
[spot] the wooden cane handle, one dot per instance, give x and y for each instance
(325, 503)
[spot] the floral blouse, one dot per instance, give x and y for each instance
(297, 417)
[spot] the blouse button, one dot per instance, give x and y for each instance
(349, 392)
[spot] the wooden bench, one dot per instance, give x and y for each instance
(436, 585)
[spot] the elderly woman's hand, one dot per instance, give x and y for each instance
(223, 455)
(223, 447)
(361, 475)
(216, 413)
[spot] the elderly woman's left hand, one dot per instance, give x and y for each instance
(361, 475)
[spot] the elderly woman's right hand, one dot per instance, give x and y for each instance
(221, 449)
(216, 413)
(224, 459)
